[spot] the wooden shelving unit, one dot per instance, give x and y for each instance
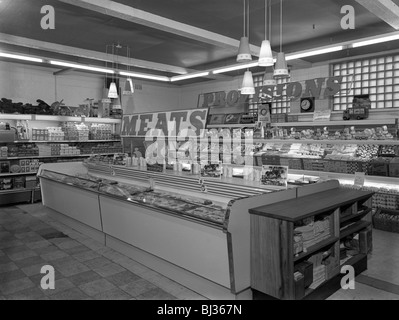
(341, 212)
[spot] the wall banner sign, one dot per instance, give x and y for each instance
(185, 123)
(320, 88)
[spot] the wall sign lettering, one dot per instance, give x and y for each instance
(164, 124)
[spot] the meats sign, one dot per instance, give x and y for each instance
(166, 124)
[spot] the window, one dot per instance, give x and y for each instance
(281, 105)
(377, 77)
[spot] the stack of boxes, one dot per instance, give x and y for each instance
(100, 131)
(56, 134)
(73, 131)
(45, 150)
(5, 183)
(66, 150)
(29, 165)
(40, 134)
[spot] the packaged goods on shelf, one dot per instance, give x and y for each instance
(313, 232)
(379, 167)
(31, 182)
(18, 182)
(386, 220)
(40, 134)
(55, 134)
(4, 152)
(100, 131)
(5, 183)
(74, 131)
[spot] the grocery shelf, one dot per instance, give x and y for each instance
(333, 123)
(351, 261)
(316, 247)
(313, 123)
(348, 177)
(248, 125)
(355, 215)
(15, 116)
(59, 141)
(312, 141)
(57, 156)
(17, 190)
(38, 117)
(18, 174)
(357, 226)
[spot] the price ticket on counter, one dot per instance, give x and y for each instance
(359, 179)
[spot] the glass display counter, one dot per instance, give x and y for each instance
(166, 221)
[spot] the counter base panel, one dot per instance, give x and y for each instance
(14, 198)
(77, 225)
(76, 203)
(202, 286)
(199, 248)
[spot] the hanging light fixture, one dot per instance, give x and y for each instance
(281, 69)
(113, 91)
(266, 55)
(248, 83)
(129, 87)
(268, 79)
(244, 53)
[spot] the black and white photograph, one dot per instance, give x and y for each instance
(198, 158)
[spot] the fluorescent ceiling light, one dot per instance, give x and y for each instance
(80, 66)
(236, 67)
(19, 57)
(189, 76)
(313, 52)
(144, 76)
(375, 41)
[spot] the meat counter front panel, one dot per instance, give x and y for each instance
(184, 206)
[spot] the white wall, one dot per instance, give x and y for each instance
(153, 97)
(27, 83)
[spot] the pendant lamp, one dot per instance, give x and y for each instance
(266, 55)
(248, 84)
(244, 53)
(113, 92)
(268, 79)
(281, 69)
(129, 88)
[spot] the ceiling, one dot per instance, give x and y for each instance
(197, 35)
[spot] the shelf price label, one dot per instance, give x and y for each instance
(359, 179)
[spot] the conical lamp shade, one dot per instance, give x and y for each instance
(266, 55)
(113, 92)
(248, 84)
(281, 69)
(244, 54)
(268, 79)
(130, 82)
(117, 104)
(129, 89)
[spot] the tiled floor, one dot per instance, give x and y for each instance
(86, 270)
